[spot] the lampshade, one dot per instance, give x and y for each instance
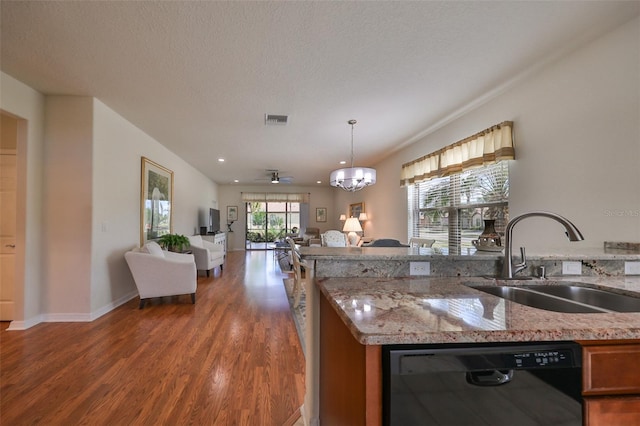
(363, 217)
(343, 217)
(352, 225)
(352, 179)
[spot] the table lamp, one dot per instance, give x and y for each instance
(352, 225)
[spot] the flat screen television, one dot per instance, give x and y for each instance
(214, 221)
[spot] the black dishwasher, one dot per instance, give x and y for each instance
(482, 384)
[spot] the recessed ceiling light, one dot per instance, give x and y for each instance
(319, 181)
(343, 162)
(220, 160)
(236, 181)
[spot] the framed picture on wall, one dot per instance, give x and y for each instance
(356, 209)
(232, 213)
(321, 214)
(156, 195)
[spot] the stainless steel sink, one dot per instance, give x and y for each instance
(539, 300)
(591, 296)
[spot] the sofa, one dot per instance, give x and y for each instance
(386, 242)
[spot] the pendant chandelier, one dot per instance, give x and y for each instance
(352, 179)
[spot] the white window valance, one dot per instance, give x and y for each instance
(275, 197)
(487, 147)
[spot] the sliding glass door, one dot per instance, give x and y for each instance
(270, 222)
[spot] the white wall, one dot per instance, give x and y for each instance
(67, 206)
(77, 225)
(577, 133)
(230, 195)
(117, 150)
(385, 204)
(27, 105)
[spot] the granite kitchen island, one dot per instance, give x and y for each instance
(363, 299)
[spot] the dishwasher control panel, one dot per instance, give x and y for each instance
(422, 360)
(550, 358)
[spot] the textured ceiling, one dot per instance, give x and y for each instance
(199, 76)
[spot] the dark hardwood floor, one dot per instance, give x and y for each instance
(233, 358)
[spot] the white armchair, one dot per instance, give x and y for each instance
(334, 238)
(207, 254)
(421, 242)
(159, 273)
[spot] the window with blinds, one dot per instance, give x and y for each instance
(451, 209)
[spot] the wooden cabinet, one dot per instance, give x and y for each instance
(612, 411)
(350, 374)
(611, 382)
(220, 238)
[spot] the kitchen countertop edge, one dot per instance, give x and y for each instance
(385, 324)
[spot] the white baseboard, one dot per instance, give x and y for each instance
(71, 317)
(23, 325)
(111, 306)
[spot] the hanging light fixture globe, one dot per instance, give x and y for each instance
(352, 179)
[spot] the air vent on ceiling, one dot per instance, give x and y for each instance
(275, 120)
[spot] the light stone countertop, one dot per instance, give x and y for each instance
(447, 310)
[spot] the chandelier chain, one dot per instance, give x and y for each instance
(352, 122)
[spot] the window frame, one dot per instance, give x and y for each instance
(448, 204)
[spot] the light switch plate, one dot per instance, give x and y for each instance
(571, 268)
(419, 268)
(632, 268)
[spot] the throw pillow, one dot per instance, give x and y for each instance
(196, 241)
(154, 249)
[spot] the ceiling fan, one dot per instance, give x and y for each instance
(275, 178)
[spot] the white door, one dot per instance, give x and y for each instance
(8, 181)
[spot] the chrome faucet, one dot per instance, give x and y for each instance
(508, 268)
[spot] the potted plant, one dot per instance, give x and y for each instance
(173, 242)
